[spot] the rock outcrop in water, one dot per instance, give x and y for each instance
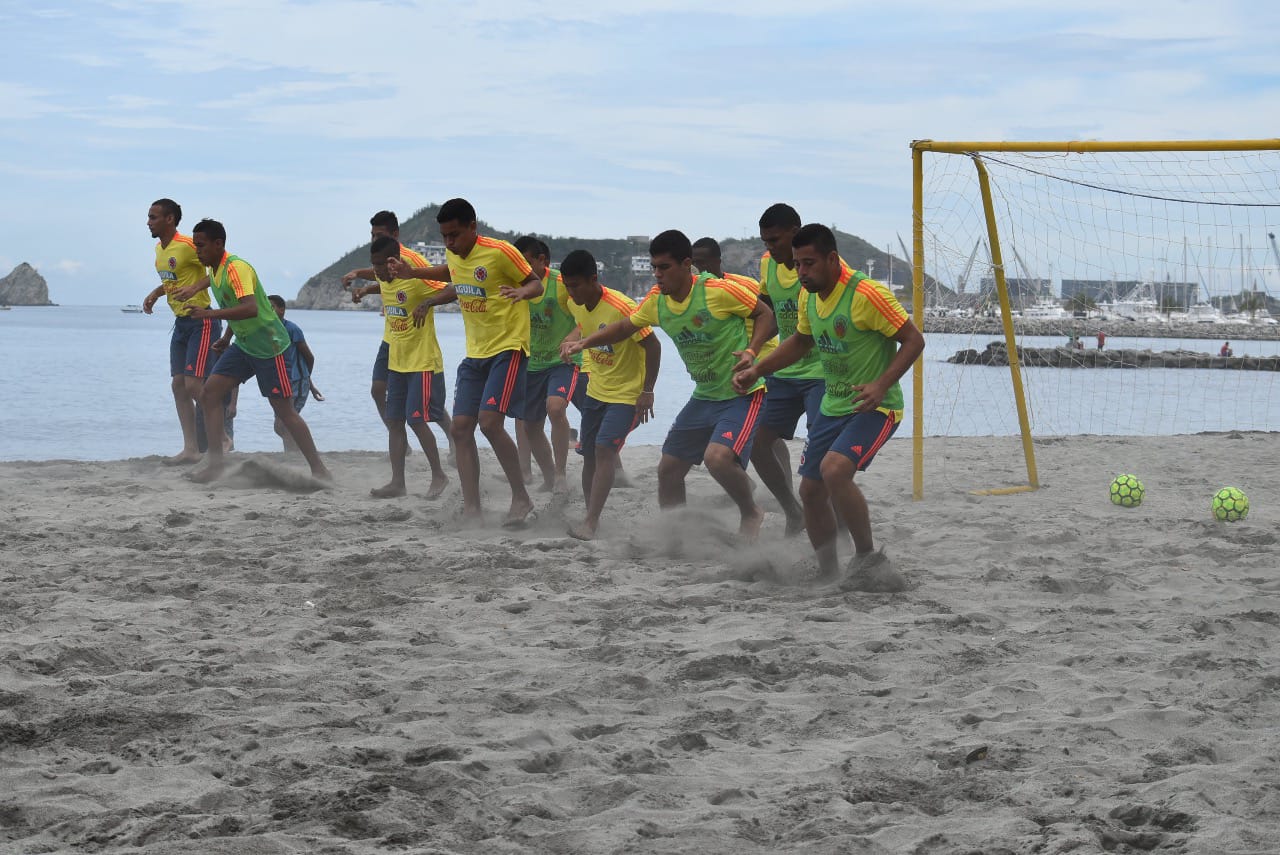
(997, 353)
(24, 287)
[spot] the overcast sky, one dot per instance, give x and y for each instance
(292, 122)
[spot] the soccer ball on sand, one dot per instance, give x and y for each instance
(1230, 504)
(1127, 491)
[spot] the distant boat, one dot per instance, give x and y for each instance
(4, 307)
(1045, 309)
(131, 309)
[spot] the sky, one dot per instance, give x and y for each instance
(292, 121)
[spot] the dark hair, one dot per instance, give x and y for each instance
(530, 244)
(384, 245)
(170, 208)
(672, 243)
(780, 215)
(276, 300)
(579, 263)
(708, 243)
(817, 236)
(385, 219)
(456, 210)
(212, 228)
(544, 249)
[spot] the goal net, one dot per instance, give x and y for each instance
(1094, 288)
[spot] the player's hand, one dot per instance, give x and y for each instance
(315, 393)
(420, 313)
(867, 397)
(221, 344)
(570, 349)
(187, 293)
(644, 407)
(744, 379)
(356, 294)
(515, 295)
(397, 268)
(199, 313)
(149, 303)
(349, 277)
(745, 359)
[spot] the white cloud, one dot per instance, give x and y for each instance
(69, 266)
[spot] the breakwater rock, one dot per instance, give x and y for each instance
(997, 353)
(24, 286)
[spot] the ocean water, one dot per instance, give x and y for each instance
(92, 383)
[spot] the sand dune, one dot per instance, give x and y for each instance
(251, 669)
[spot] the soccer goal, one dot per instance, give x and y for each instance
(1098, 288)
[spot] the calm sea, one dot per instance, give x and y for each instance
(92, 383)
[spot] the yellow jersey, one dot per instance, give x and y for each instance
(412, 259)
(411, 348)
(617, 370)
(493, 324)
(179, 267)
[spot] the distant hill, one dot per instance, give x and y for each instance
(324, 289)
(24, 286)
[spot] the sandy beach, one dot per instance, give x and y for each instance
(251, 668)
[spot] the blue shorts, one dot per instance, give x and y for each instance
(495, 383)
(380, 363)
(553, 382)
(605, 424)
(858, 437)
(415, 397)
(578, 391)
(788, 400)
(191, 346)
(700, 423)
(277, 376)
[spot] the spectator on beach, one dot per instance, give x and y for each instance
(1102, 339)
(306, 363)
(1226, 349)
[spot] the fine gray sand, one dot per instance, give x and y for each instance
(255, 668)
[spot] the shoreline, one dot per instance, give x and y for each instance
(247, 669)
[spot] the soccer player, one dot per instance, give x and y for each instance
(551, 383)
(622, 380)
(415, 368)
(769, 453)
(706, 318)
(307, 362)
(262, 349)
(191, 353)
(865, 342)
(490, 280)
(384, 223)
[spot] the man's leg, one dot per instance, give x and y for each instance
(297, 428)
(820, 522)
(601, 465)
(463, 431)
(439, 480)
(378, 385)
(672, 472)
(185, 403)
(837, 476)
(493, 427)
(524, 448)
(722, 463)
(535, 436)
(558, 415)
(397, 450)
(215, 391)
(773, 471)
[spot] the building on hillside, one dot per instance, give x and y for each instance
(432, 252)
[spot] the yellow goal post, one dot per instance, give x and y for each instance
(979, 153)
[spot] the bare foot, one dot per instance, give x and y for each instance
(186, 458)
(546, 487)
(438, 486)
(518, 516)
(582, 531)
(322, 474)
(873, 573)
(210, 473)
(468, 519)
(795, 525)
(622, 479)
(388, 491)
(749, 531)
(561, 486)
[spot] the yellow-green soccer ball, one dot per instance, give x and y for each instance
(1230, 504)
(1127, 491)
